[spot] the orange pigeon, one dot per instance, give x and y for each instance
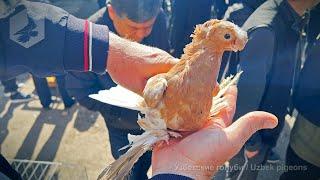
(182, 99)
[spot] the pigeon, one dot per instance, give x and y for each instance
(181, 100)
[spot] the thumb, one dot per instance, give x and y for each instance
(241, 130)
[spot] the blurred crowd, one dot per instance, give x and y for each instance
(279, 62)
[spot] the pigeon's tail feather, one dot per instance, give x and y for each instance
(120, 169)
(121, 97)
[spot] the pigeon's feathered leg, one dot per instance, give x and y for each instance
(219, 102)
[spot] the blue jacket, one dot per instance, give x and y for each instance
(269, 63)
(46, 40)
(238, 13)
(185, 16)
(307, 96)
(81, 85)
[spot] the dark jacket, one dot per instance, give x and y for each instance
(81, 85)
(46, 40)
(186, 14)
(238, 13)
(269, 61)
(307, 96)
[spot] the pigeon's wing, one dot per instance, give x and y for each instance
(121, 97)
(154, 90)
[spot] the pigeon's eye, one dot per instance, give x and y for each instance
(227, 36)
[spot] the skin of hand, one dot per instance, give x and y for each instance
(251, 154)
(131, 64)
(198, 155)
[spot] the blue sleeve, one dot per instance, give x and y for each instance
(46, 40)
(169, 177)
(255, 61)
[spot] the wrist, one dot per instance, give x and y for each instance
(187, 170)
(181, 165)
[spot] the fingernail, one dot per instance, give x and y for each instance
(270, 123)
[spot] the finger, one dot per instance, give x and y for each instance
(241, 130)
(231, 97)
(225, 116)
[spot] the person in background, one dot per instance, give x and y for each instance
(11, 90)
(186, 14)
(220, 7)
(237, 13)
(270, 63)
(139, 20)
(303, 151)
(44, 92)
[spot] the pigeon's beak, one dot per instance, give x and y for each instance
(241, 41)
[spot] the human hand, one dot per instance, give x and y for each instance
(198, 155)
(131, 64)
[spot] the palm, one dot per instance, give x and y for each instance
(213, 145)
(218, 148)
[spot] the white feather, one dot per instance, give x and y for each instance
(121, 97)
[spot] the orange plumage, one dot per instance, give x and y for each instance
(185, 100)
(181, 99)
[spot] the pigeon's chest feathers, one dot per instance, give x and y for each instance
(188, 97)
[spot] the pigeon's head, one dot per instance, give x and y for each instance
(220, 36)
